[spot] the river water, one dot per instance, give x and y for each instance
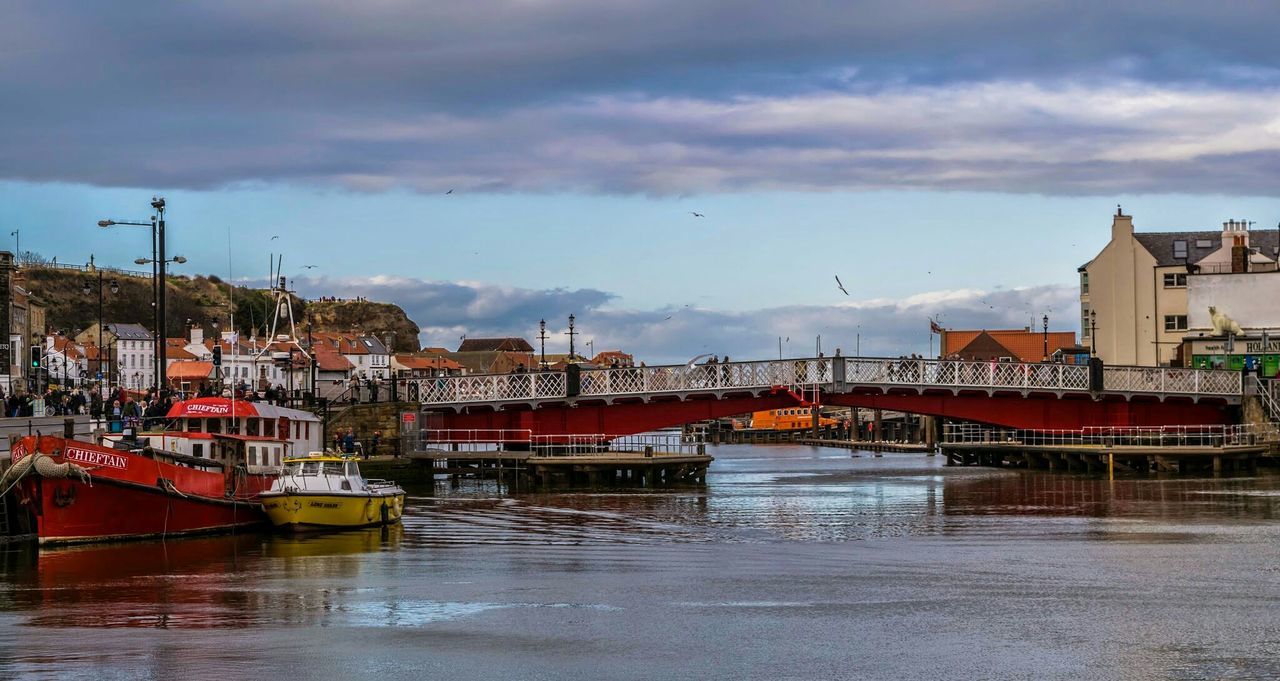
(793, 563)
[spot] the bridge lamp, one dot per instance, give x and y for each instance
(1093, 332)
(1046, 338)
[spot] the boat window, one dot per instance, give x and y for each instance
(215, 425)
(268, 427)
(251, 426)
(193, 425)
(197, 450)
(253, 455)
(233, 426)
(353, 470)
(333, 468)
(310, 468)
(293, 469)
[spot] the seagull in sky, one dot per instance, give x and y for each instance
(696, 214)
(841, 285)
(274, 237)
(309, 267)
(448, 192)
(667, 319)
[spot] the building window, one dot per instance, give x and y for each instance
(1084, 321)
(1180, 249)
(1084, 283)
(1175, 280)
(1175, 322)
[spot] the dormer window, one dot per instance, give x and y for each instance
(1204, 243)
(1180, 249)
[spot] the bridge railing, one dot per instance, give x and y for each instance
(960, 373)
(822, 371)
(687, 378)
(1172, 380)
(486, 387)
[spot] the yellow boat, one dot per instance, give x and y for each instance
(325, 491)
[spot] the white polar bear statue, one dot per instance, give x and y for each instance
(1222, 324)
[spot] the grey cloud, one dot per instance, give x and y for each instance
(447, 310)
(508, 95)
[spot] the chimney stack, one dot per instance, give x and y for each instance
(1239, 255)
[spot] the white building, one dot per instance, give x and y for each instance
(65, 361)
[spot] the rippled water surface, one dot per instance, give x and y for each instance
(792, 563)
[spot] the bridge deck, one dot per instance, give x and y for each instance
(822, 374)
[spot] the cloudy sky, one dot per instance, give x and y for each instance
(957, 158)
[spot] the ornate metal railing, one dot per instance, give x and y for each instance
(961, 374)
(1170, 380)
(822, 372)
(486, 388)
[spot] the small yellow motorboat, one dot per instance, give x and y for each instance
(325, 491)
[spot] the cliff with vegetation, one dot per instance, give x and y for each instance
(201, 300)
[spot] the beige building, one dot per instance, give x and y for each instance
(1133, 294)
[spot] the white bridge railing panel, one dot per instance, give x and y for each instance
(820, 373)
(1172, 380)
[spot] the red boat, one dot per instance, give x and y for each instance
(78, 491)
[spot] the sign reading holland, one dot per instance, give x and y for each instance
(95, 458)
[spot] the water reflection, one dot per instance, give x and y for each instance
(827, 564)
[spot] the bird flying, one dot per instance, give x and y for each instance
(309, 267)
(667, 319)
(696, 214)
(448, 192)
(841, 285)
(274, 237)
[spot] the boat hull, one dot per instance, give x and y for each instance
(122, 495)
(72, 512)
(301, 511)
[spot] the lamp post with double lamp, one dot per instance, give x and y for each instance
(88, 289)
(1046, 338)
(157, 289)
(162, 266)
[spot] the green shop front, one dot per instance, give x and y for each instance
(1241, 352)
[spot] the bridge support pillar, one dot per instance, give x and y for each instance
(877, 417)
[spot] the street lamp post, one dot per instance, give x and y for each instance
(157, 288)
(542, 336)
(1093, 333)
(161, 266)
(115, 288)
(1046, 338)
(571, 333)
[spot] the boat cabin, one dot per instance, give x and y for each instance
(321, 473)
(256, 434)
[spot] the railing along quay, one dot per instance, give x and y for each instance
(836, 374)
(1182, 449)
(519, 458)
(1239, 435)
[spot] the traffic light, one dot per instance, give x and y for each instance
(35, 357)
(217, 355)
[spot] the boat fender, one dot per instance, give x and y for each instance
(385, 513)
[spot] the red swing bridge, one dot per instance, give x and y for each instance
(616, 402)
